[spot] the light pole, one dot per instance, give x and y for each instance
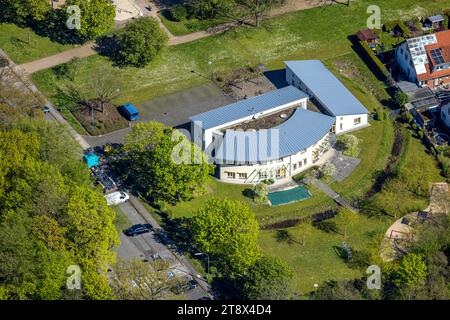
(207, 256)
(210, 70)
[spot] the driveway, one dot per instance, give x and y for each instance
(145, 246)
(173, 110)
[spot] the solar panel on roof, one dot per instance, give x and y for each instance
(436, 54)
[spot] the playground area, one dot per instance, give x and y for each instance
(401, 233)
(126, 9)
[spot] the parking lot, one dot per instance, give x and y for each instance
(173, 110)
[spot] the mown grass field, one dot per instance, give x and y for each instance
(24, 45)
(180, 28)
(317, 33)
(265, 213)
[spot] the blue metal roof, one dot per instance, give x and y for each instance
(249, 107)
(130, 108)
(302, 130)
(326, 87)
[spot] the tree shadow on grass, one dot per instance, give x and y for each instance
(327, 226)
(108, 46)
(284, 236)
(354, 259)
(249, 193)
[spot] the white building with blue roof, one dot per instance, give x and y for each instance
(312, 77)
(297, 140)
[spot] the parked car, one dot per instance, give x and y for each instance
(138, 229)
(46, 109)
(190, 285)
(117, 197)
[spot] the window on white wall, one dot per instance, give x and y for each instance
(357, 121)
(242, 175)
(231, 175)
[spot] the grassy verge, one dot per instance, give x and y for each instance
(121, 221)
(318, 259)
(181, 28)
(73, 121)
(24, 45)
(375, 141)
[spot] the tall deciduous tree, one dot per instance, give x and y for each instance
(49, 218)
(228, 230)
(96, 17)
(412, 270)
(258, 8)
(205, 9)
(139, 280)
(141, 41)
(163, 164)
(92, 235)
(269, 278)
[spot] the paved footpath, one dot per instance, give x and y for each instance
(332, 194)
(89, 48)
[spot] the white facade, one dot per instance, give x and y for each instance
(278, 169)
(350, 123)
(344, 123)
(445, 114)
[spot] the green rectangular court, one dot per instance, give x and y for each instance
(288, 196)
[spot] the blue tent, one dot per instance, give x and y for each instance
(91, 159)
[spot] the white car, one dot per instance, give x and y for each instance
(116, 198)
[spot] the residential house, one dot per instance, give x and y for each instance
(425, 60)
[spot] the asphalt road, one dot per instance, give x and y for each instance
(145, 246)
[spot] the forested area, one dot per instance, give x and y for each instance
(51, 216)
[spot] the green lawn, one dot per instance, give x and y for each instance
(180, 28)
(316, 260)
(24, 45)
(265, 213)
(317, 33)
(376, 141)
(121, 221)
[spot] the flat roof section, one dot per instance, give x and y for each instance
(249, 107)
(302, 130)
(326, 87)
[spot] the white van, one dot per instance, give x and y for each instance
(115, 198)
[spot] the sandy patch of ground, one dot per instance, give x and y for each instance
(400, 233)
(126, 9)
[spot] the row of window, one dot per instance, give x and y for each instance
(300, 164)
(240, 175)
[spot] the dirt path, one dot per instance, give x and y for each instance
(89, 48)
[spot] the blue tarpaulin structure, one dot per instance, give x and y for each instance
(91, 159)
(131, 112)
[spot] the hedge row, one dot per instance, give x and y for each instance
(374, 59)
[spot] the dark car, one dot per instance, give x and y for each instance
(46, 109)
(192, 284)
(138, 229)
